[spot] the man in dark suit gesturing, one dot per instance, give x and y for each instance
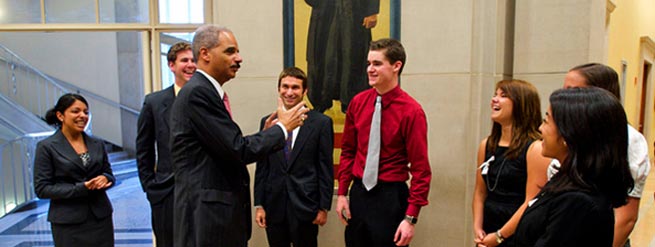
(152, 151)
(212, 184)
(293, 186)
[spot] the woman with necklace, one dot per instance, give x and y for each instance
(511, 169)
(72, 170)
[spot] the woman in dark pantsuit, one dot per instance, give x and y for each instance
(72, 170)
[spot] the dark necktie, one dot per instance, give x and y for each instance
(287, 146)
(370, 178)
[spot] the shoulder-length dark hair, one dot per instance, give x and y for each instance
(63, 103)
(526, 117)
(594, 126)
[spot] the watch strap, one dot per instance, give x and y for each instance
(411, 219)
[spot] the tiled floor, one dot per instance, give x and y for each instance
(131, 220)
(644, 233)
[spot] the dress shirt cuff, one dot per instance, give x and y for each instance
(413, 210)
(284, 129)
(259, 206)
(343, 188)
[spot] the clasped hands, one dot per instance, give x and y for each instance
(97, 183)
(482, 239)
(291, 118)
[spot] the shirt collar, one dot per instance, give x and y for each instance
(390, 96)
(176, 89)
(218, 87)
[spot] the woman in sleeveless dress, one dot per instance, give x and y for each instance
(511, 169)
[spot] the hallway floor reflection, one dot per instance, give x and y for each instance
(643, 234)
(131, 219)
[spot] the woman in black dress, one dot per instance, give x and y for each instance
(584, 128)
(72, 170)
(511, 169)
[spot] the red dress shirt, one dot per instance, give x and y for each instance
(404, 141)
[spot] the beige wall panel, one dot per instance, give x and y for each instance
(553, 36)
(545, 84)
(258, 29)
(446, 101)
(437, 36)
(492, 42)
(251, 98)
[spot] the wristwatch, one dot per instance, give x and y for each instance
(411, 219)
(499, 237)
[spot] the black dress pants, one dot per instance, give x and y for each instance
(376, 214)
(302, 233)
(162, 221)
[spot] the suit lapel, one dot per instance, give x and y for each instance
(167, 102)
(96, 150)
(538, 201)
(303, 133)
(64, 148)
(205, 82)
(279, 155)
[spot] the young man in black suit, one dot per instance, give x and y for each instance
(152, 150)
(293, 186)
(210, 154)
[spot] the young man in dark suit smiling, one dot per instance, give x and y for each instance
(293, 186)
(152, 146)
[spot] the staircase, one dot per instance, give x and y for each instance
(122, 165)
(25, 95)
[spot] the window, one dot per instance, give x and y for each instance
(181, 11)
(20, 11)
(123, 11)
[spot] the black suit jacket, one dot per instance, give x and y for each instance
(571, 218)
(212, 184)
(155, 168)
(59, 175)
(305, 182)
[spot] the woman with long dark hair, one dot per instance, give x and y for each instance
(603, 76)
(511, 169)
(585, 129)
(72, 170)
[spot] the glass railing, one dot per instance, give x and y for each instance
(17, 155)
